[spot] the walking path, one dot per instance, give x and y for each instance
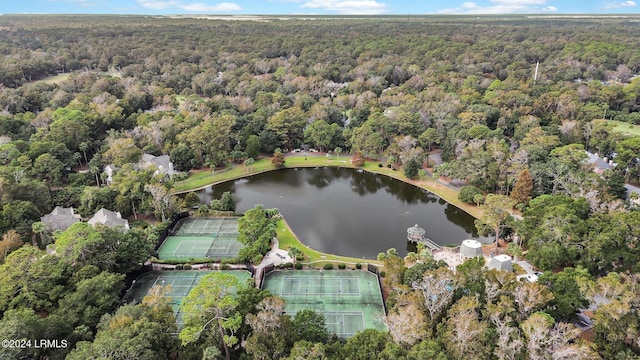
(274, 257)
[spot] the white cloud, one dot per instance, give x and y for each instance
(501, 7)
(81, 3)
(620, 4)
(191, 7)
(353, 7)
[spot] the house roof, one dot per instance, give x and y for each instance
(60, 218)
(163, 163)
(109, 218)
(500, 262)
(598, 162)
(471, 248)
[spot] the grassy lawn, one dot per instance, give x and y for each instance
(54, 79)
(288, 239)
(202, 179)
(428, 183)
(625, 127)
(518, 270)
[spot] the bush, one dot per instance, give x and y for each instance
(257, 259)
(81, 179)
(187, 266)
(180, 176)
(383, 274)
(342, 266)
(467, 194)
(328, 266)
(389, 166)
(225, 267)
(411, 168)
(179, 267)
(358, 266)
(380, 165)
(298, 266)
(357, 160)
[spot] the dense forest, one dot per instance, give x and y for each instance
(512, 105)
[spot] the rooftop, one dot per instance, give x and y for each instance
(60, 219)
(109, 218)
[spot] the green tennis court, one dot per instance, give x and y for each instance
(350, 301)
(180, 282)
(202, 238)
(205, 227)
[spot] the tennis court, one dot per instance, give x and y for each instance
(206, 227)
(350, 301)
(200, 239)
(180, 282)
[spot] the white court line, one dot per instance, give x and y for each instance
(315, 283)
(342, 324)
(175, 252)
(292, 292)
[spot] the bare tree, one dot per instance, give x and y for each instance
(547, 339)
(466, 334)
(531, 297)
(406, 323)
(437, 287)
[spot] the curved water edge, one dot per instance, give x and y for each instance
(350, 212)
(244, 176)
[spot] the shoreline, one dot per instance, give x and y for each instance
(318, 257)
(431, 186)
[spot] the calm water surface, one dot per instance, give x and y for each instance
(350, 213)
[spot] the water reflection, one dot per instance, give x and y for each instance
(345, 212)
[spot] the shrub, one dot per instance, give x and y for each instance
(389, 166)
(328, 266)
(288, 265)
(187, 266)
(467, 194)
(225, 267)
(298, 266)
(278, 159)
(179, 267)
(411, 168)
(357, 160)
(380, 165)
(257, 259)
(358, 266)
(342, 266)
(383, 274)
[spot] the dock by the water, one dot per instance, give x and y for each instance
(416, 234)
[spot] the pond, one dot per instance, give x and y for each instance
(349, 212)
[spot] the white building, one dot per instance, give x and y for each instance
(500, 262)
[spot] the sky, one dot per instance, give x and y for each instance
(318, 7)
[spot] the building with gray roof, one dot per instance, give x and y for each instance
(60, 219)
(109, 218)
